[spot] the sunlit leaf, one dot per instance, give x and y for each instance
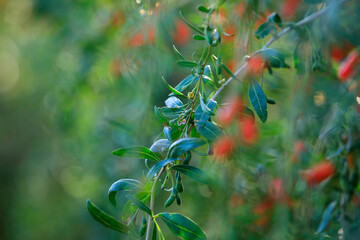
(139, 204)
(123, 185)
(105, 219)
(182, 226)
(183, 145)
(136, 152)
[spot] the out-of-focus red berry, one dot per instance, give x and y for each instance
(299, 148)
(236, 200)
(350, 161)
(182, 33)
(229, 29)
(255, 65)
(137, 40)
(151, 35)
(240, 9)
(117, 19)
(262, 210)
(276, 189)
(224, 147)
(319, 172)
(349, 66)
(228, 113)
(289, 8)
(249, 131)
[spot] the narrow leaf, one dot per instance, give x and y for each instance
(160, 146)
(136, 152)
(190, 24)
(182, 226)
(183, 145)
(105, 219)
(178, 53)
(192, 172)
(139, 203)
(173, 90)
(326, 217)
(186, 63)
(123, 185)
(209, 130)
(258, 99)
(202, 117)
(158, 166)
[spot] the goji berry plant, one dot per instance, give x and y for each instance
(292, 177)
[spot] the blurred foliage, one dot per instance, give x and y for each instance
(79, 79)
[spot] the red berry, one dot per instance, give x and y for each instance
(182, 33)
(289, 8)
(223, 148)
(349, 66)
(319, 173)
(228, 113)
(249, 131)
(255, 65)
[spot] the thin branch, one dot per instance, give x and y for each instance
(152, 196)
(241, 71)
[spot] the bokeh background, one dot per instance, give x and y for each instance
(79, 79)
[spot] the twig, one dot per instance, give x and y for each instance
(241, 71)
(148, 229)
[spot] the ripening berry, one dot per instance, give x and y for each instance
(182, 34)
(350, 161)
(276, 189)
(319, 172)
(349, 66)
(137, 40)
(255, 65)
(223, 148)
(299, 148)
(262, 210)
(228, 113)
(289, 8)
(115, 68)
(249, 131)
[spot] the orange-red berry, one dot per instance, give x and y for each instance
(319, 172)
(224, 147)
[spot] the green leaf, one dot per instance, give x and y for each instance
(173, 90)
(202, 8)
(170, 113)
(192, 172)
(198, 37)
(204, 108)
(105, 219)
(178, 53)
(158, 166)
(186, 63)
(139, 203)
(173, 102)
(136, 152)
(160, 146)
(209, 130)
(275, 18)
(123, 185)
(186, 83)
(202, 117)
(273, 58)
(154, 233)
(129, 208)
(258, 99)
(326, 217)
(183, 145)
(264, 30)
(182, 226)
(160, 116)
(298, 61)
(190, 24)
